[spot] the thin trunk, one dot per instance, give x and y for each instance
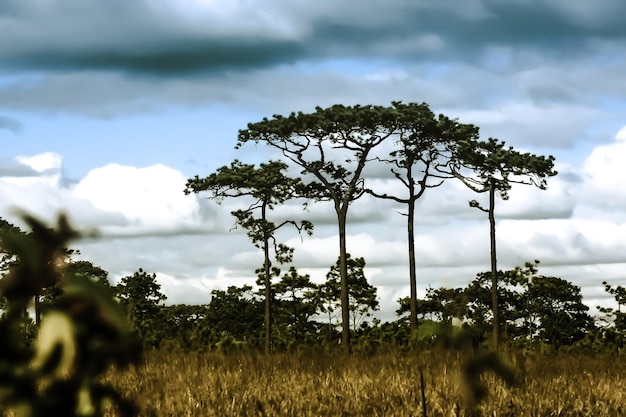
(343, 270)
(494, 267)
(412, 272)
(37, 309)
(268, 288)
(37, 303)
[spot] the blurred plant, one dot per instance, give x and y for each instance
(475, 363)
(80, 336)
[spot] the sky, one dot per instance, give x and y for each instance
(107, 108)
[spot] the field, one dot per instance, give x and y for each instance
(250, 384)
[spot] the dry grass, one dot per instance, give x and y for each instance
(248, 384)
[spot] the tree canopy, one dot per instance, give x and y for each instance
(421, 155)
(332, 147)
(267, 186)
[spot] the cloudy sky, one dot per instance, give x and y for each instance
(107, 107)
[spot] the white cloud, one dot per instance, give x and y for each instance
(42, 194)
(150, 198)
(47, 164)
(604, 173)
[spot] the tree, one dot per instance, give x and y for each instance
(7, 257)
(494, 168)
(617, 317)
(511, 300)
(295, 296)
(427, 308)
(268, 186)
(316, 142)
(422, 151)
(362, 295)
(236, 312)
(180, 324)
(613, 321)
(558, 306)
(141, 297)
(89, 270)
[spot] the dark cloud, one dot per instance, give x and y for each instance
(134, 37)
(185, 56)
(10, 124)
(139, 37)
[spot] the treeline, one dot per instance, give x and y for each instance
(536, 312)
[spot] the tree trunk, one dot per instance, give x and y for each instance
(37, 309)
(412, 272)
(343, 271)
(268, 288)
(494, 267)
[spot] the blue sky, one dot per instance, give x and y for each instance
(106, 108)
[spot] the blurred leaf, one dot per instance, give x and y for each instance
(55, 346)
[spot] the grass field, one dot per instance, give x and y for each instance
(249, 384)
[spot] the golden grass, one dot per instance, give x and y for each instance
(249, 384)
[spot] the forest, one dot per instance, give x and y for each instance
(69, 333)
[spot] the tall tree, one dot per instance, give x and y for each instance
(493, 167)
(267, 186)
(320, 142)
(421, 153)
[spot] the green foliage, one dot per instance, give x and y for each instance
(295, 306)
(492, 163)
(79, 337)
(181, 325)
(7, 257)
(88, 270)
(558, 306)
(511, 301)
(141, 297)
(237, 312)
(320, 143)
(427, 308)
(532, 306)
(422, 153)
(267, 185)
(493, 168)
(362, 295)
(617, 318)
